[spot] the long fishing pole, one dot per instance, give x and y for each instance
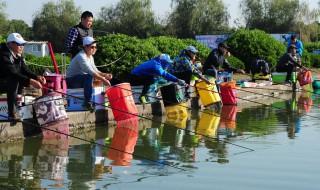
(143, 117)
(95, 143)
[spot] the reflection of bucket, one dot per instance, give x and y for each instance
(228, 116)
(121, 101)
(172, 94)
(208, 123)
(177, 110)
(228, 93)
(123, 142)
(50, 108)
(178, 120)
(208, 92)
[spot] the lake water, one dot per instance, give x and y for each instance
(262, 147)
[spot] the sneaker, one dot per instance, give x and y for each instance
(88, 106)
(143, 100)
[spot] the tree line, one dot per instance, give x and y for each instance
(187, 19)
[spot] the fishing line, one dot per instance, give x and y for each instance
(95, 143)
(143, 117)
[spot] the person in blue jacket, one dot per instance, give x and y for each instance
(299, 46)
(147, 73)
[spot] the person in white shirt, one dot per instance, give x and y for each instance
(82, 71)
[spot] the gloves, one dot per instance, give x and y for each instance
(181, 82)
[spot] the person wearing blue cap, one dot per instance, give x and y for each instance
(147, 73)
(183, 66)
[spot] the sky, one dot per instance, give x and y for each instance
(26, 11)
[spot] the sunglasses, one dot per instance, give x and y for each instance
(93, 47)
(19, 44)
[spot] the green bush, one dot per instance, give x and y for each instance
(249, 44)
(119, 53)
(235, 62)
(40, 64)
(2, 39)
(310, 60)
(311, 46)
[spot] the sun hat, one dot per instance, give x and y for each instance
(16, 37)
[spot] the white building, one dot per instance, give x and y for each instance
(39, 48)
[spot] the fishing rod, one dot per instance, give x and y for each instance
(99, 144)
(143, 117)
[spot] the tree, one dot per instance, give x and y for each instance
(3, 18)
(19, 26)
(134, 18)
(273, 16)
(53, 22)
(191, 17)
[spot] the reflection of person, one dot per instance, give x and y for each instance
(148, 73)
(77, 33)
(15, 72)
(217, 61)
(82, 70)
(288, 62)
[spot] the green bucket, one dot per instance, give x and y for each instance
(316, 84)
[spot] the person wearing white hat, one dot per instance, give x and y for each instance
(15, 72)
(82, 70)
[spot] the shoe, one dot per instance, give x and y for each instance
(88, 106)
(143, 100)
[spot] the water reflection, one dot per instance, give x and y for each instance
(147, 148)
(123, 142)
(25, 165)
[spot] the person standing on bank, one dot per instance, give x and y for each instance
(77, 33)
(217, 61)
(297, 43)
(15, 72)
(82, 70)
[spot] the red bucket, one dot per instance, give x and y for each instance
(121, 101)
(228, 93)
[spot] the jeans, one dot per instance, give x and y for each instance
(82, 81)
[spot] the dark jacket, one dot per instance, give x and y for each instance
(216, 60)
(74, 39)
(288, 59)
(14, 68)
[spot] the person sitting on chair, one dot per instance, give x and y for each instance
(288, 62)
(82, 70)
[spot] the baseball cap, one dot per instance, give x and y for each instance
(223, 45)
(192, 49)
(292, 46)
(166, 58)
(88, 40)
(16, 37)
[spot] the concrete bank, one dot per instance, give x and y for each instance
(84, 121)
